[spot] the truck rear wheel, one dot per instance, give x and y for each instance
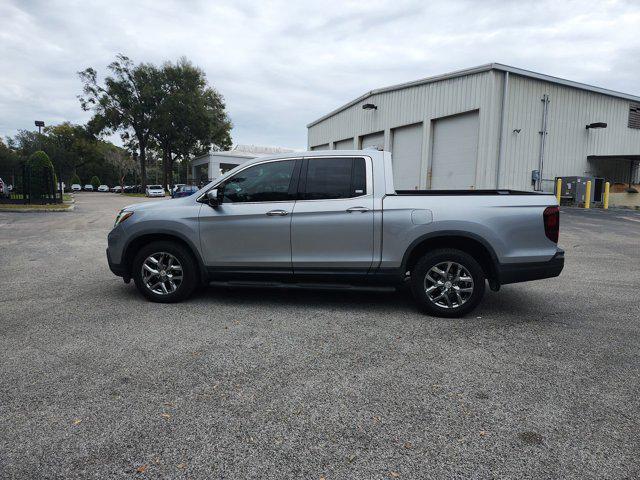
(165, 272)
(447, 283)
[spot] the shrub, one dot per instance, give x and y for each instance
(95, 181)
(41, 174)
(75, 179)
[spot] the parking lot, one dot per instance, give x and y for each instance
(542, 381)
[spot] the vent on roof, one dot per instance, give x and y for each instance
(634, 115)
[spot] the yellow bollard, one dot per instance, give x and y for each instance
(605, 205)
(558, 189)
(587, 197)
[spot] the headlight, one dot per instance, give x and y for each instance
(122, 216)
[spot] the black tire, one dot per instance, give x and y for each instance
(433, 259)
(190, 278)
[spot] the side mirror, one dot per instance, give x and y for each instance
(214, 197)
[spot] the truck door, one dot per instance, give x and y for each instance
(332, 223)
(251, 229)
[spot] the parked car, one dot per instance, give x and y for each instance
(76, 187)
(318, 217)
(116, 189)
(88, 188)
(5, 189)
(128, 189)
(184, 191)
(176, 187)
(154, 191)
(103, 188)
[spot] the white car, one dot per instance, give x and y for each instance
(88, 187)
(154, 191)
(5, 189)
(76, 187)
(103, 188)
(117, 189)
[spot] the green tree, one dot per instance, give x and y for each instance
(41, 174)
(190, 115)
(9, 159)
(25, 142)
(73, 149)
(95, 182)
(126, 102)
(122, 162)
(75, 179)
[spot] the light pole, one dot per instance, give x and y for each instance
(39, 124)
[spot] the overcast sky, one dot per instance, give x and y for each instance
(280, 65)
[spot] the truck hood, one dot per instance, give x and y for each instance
(161, 204)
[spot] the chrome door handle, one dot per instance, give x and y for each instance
(357, 209)
(277, 213)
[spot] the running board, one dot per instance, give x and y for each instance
(305, 286)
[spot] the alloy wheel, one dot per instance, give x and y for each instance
(162, 273)
(448, 285)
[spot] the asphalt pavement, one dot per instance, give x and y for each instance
(542, 381)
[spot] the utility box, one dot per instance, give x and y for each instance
(574, 189)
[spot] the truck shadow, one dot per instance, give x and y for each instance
(351, 299)
(512, 305)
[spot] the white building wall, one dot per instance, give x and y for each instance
(424, 103)
(568, 142)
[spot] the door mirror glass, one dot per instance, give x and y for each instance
(214, 197)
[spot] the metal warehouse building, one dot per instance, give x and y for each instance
(492, 126)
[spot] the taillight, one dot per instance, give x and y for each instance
(551, 218)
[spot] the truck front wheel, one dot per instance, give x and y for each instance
(165, 272)
(447, 283)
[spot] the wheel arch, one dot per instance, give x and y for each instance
(470, 243)
(134, 245)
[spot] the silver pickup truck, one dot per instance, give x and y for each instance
(334, 218)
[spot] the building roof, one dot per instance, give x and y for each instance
(245, 151)
(480, 69)
(258, 150)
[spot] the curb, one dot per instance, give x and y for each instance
(71, 208)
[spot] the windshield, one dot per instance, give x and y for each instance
(155, 187)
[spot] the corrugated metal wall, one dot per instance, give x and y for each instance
(424, 103)
(568, 142)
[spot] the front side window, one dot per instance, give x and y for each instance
(331, 178)
(266, 182)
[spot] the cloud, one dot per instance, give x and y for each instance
(282, 64)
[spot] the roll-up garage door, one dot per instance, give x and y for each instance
(406, 156)
(324, 146)
(373, 141)
(344, 144)
(455, 152)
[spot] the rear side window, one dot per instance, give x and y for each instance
(331, 178)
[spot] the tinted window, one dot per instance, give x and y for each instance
(359, 185)
(267, 182)
(329, 178)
